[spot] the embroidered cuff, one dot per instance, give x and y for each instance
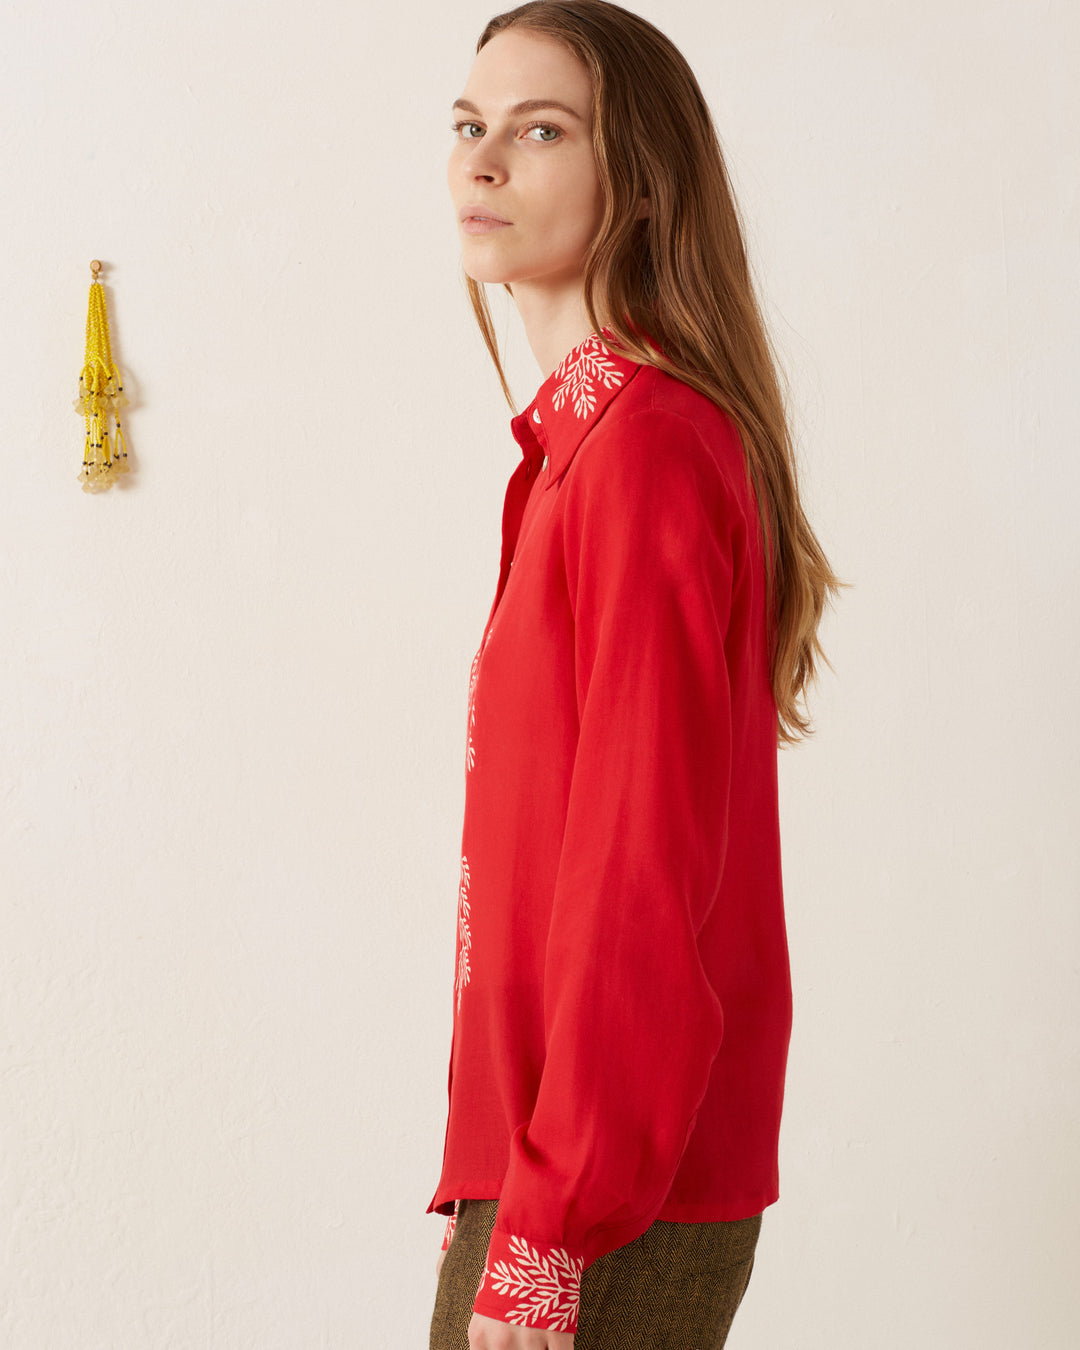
(530, 1286)
(451, 1221)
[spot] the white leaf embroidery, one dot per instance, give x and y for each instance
(474, 671)
(580, 371)
(470, 753)
(464, 967)
(548, 1288)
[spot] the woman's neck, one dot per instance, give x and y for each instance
(555, 321)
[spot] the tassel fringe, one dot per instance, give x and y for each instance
(101, 396)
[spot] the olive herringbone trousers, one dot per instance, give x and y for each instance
(676, 1287)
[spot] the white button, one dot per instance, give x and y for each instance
(544, 465)
(536, 414)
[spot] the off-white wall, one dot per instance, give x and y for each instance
(232, 693)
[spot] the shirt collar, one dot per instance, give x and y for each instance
(571, 401)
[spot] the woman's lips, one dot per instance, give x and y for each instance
(483, 224)
(478, 219)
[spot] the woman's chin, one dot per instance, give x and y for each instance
(486, 275)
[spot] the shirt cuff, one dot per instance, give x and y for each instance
(451, 1221)
(530, 1285)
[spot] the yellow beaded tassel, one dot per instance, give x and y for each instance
(101, 395)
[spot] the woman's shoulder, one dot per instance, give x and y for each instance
(659, 425)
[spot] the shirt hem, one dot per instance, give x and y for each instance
(445, 1197)
(725, 1210)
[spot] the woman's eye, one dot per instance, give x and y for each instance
(539, 131)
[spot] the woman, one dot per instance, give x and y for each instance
(622, 996)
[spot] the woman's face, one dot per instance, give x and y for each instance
(522, 172)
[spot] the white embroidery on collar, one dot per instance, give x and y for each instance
(579, 373)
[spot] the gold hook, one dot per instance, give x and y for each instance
(95, 268)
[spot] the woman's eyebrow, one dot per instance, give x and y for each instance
(530, 105)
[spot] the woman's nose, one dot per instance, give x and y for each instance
(485, 163)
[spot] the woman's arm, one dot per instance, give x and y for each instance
(632, 1024)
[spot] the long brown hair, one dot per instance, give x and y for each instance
(682, 275)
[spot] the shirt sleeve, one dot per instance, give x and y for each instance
(451, 1224)
(632, 1024)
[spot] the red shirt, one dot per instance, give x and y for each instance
(622, 1000)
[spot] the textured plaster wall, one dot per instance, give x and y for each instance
(232, 692)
